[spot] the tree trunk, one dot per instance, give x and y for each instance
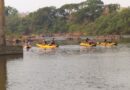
(2, 24)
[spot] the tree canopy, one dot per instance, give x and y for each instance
(86, 17)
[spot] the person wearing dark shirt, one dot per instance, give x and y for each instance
(87, 40)
(44, 42)
(53, 42)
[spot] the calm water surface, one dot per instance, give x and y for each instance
(68, 68)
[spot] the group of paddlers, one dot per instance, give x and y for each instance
(105, 42)
(44, 42)
(87, 42)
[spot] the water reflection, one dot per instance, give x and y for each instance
(3, 69)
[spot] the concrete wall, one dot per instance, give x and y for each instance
(11, 50)
(3, 74)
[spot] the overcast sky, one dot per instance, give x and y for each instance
(32, 5)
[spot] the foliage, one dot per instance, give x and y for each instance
(115, 23)
(10, 11)
(86, 17)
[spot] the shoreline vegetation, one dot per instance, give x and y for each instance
(72, 21)
(65, 40)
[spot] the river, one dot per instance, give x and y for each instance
(69, 67)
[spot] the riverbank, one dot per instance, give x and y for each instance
(66, 40)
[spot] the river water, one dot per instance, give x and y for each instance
(69, 67)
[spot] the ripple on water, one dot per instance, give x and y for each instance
(71, 68)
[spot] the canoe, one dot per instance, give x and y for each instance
(86, 44)
(46, 46)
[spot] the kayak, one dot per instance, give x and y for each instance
(107, 44)
(86, 44)
(46, 46)
(98, 44)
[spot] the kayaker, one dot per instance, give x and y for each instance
(44, 42)
(105, 41)
(53, 42)
(28, 46)
(92, 42)
(87, 40)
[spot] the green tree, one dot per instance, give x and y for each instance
(10, 11)
(113, 8)
(93, 10)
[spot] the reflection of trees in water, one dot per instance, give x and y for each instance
(2, 73)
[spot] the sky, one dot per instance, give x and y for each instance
(33, 5)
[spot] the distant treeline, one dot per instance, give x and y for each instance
(90, 17)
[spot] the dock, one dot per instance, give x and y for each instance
(11, 50)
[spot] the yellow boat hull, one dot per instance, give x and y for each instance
(86, 44)
(107, 44)
(98, 44)
(46, 46)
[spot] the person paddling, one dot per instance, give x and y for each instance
(44, 42)
(53, 42)
(87, 40)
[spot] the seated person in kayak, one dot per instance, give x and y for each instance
(87, 40)
(44, 42)
(53, 42)
(105, 41)
(91, 42)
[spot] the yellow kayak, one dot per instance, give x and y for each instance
(99, 44)
(107, 44)
(86, 44)
(46, 46)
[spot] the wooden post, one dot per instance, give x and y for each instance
(2, 74)
(2, 24)
(4, 49)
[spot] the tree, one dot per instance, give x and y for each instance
(92, 10)
(10, 11)
(95, 8)
(113, 8)
(114, 23)
(43, 18)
